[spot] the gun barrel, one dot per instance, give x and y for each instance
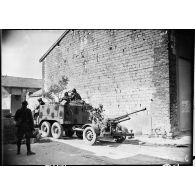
(137, 111)
(122, 120)
(126, 115)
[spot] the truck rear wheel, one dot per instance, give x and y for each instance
(56, 130)
(89, 136)
(45, 129)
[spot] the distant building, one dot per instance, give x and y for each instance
(14, 90)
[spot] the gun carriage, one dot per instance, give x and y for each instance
(107, 129)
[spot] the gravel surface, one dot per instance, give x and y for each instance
(49, 152)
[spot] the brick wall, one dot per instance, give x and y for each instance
(174, 118)
(124, 70)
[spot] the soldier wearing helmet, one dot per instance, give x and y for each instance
(36, 111)
(66, 97)
(75, 96)
(41, 102)
(25, 126)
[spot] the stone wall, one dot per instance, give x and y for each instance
(174, 118)
(125, 70)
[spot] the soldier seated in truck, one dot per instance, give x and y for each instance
(66, 98)
(75, 96)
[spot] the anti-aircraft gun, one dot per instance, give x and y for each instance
(109, 129)
(117, 120)
(119, 132)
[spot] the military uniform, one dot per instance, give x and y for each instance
(66, 98)
(75, 96)
(36, 112)
(97, 114)
(25, 125)
(41, 102)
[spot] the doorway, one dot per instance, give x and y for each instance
(185, 94)
(16, 101)
(185, 56)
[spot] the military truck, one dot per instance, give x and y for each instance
(56, 119)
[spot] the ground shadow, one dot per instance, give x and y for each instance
(115, 144)
(69, 138)
(183, 146)
(43, 141)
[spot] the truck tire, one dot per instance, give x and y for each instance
(56, 130)
(45, 129)
(79, 134)
(89, 136)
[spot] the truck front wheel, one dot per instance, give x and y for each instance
(56, 130)
(45, 129)
(89, 135)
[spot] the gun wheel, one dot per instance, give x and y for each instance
(45, 129)
(56, 130)
(120, 139)
(89, 135)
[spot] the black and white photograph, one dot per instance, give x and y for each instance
(97, 97)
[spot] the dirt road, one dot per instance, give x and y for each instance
(76, 152)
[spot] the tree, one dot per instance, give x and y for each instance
(55, 90)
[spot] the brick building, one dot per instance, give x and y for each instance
(126, 70)
(14, 90)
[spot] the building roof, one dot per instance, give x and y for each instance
(10, 81)
(53, 46)
(4, 91)
(37, 93)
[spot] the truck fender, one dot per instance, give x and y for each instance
(95, 127)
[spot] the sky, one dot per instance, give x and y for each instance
(22, 49)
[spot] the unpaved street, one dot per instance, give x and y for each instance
(74, 151)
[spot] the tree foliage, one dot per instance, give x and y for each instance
(55, 90)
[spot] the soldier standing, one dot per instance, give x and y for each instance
(36, 112)
(41, 102)
(97, 114)
(25, 125)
